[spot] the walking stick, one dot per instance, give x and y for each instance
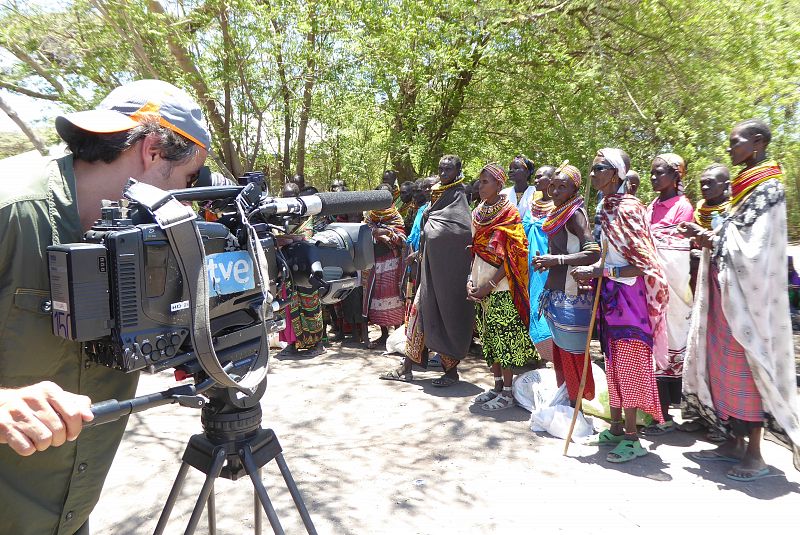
(578, 402)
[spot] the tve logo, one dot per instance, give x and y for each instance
(230, 273)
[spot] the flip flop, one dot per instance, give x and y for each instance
(711, 455)
(655, 430)
(690, 427)
(444, 381)
(394, 375)
(754, 474)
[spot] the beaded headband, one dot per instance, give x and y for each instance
(495, 171)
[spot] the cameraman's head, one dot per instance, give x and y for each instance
(148, 130)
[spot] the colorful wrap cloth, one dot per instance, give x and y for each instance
(751, 271)
(673, 251)
(504, 337)
(383, 304)
(537, 244)
(623, 222)
(567, 317)
(500, 241)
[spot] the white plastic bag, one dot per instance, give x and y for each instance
(396, 343)
(556, 421)
(535, 388)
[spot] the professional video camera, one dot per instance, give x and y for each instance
(155, 287)
(122, 291)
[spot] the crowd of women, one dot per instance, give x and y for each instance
(692, 304)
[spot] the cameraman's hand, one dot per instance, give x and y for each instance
(39, 416)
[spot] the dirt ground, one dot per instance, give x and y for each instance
(378, 457)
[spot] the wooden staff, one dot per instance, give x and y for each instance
(578, 402)
(586, 350)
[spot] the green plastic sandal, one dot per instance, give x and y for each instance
(607, 438)
(627, 450)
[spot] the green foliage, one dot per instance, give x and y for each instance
(398, 83)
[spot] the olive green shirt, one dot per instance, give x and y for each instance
(52, 491)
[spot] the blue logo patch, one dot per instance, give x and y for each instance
(230, 273)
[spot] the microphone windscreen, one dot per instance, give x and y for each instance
(349, 202)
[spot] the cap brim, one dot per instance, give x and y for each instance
(97, 121)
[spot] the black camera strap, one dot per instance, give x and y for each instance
(178, 221)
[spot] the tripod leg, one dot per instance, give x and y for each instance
(205, 492)
(252, 470)
(298, 499)
(212, 513)
(173, 495)
(257, 506)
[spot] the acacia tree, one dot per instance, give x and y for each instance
(346, 88)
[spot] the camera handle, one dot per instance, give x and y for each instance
(112, 410)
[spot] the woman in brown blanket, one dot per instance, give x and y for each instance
(440, 319)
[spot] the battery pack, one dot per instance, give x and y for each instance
(79, 291)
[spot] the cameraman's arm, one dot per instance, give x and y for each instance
(36, 417)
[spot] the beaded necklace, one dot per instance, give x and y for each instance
(540, 208)
(561, 214)
(748, 179)
(439, 190)
(485, 213)
(704, 215)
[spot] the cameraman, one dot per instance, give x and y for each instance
(149, 130)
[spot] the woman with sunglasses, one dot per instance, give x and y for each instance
(631, 313)
(566, 310)
(670, 208)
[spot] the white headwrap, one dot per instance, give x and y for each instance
(614, 157)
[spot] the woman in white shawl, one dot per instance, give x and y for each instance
(739, 372)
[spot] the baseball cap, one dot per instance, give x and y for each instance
(128, 105)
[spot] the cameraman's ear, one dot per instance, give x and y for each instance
(149, 151)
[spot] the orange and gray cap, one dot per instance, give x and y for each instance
(129, 105)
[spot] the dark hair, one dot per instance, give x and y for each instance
(407, 183)
(390, 172)
(714, 166)
(756, 126)
(526, 162)
(384, 186)
(452, 158)
(309, 190)
(626, 160)
(291, 189)
(92, 147)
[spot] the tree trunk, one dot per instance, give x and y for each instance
(36, 140)
(452, 103)
(308, 87)
(402, 133)
(183, 58)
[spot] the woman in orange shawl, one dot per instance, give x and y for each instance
(498, 284)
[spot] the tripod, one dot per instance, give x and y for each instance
(233, 444)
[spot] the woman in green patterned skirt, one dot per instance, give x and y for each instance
(498, 285)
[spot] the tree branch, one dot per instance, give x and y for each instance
(27, 92)
(30, 134)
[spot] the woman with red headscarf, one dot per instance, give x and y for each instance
(498, 285)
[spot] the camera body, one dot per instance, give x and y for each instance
(122, 294)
